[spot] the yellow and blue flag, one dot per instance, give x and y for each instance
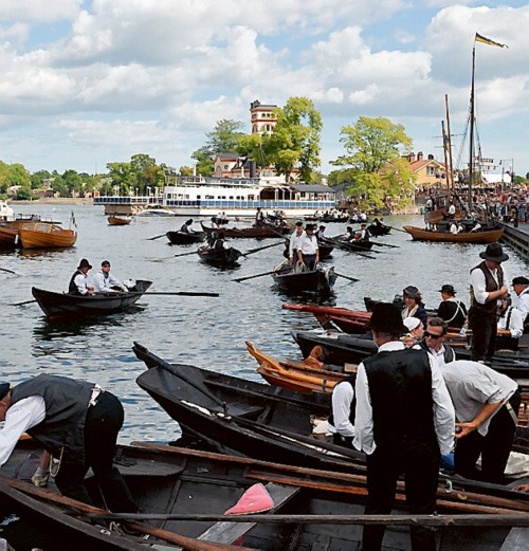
(488, 41)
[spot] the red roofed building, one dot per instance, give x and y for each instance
(429, 171)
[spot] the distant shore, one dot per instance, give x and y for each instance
(54, 201)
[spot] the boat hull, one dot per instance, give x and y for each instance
(315, 281)
(117, 221)
(183, 238)
(479, 237)
(252, 232)
(223, 258)
(8, 237)
(41, 235)
(62, 306)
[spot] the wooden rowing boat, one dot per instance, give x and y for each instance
(263, 230)
(63, 306)
(114, 220)
(478, 237)
(320, 280)
(41, 235)
(183, 495)
(184, 238)
(8, 237)
(221, 257)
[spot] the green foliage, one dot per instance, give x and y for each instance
(224, 137)
(205, 165)
(374, 149)
(24, 193)
(295, 141)
(185, 171)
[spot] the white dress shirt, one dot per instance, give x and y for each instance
(308, 245)
(342, 398)
(515, 322)
(103, 283)
(478, 284)
(521, 302)
(20, 417)
(444, 415)
(295, 241)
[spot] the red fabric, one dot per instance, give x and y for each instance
(256, 499)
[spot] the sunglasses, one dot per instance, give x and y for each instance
(432, 335)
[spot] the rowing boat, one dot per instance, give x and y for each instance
(478, 237)
(262, 230)
(184, 496)
(41, 235)
(114, 220)
(319, 280)
(62, 306)
(184, 238)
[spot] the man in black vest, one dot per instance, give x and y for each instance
(487, 288)
(404, 421)
(78, 423)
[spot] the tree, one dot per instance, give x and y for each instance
(375, 164)
(295, 141)
(224, 137)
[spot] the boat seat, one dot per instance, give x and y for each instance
(229, 532)
(244, 409)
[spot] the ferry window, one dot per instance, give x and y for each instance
(210, 197)
(231, 197)
(199, 196)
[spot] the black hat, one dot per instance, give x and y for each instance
(105, 263)
(4, 389)
(309, 227)
(322, 227)
(520, 280)
(190, 221)
(495, 253)
(386, 317)
(299, 223)
(448, 289)
(411, 291)
(84, 264)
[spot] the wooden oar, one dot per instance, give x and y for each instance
(353, 279)
(238, 279)
(251, 251)
(156, 237)
(186, 543)
(341, 245)
(184, 254)
(398, 229)
(385, 245)
(7, 271)
(177, 293)
(22, 303)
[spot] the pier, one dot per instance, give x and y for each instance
(517, 238)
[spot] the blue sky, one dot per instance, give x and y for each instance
(85, 83)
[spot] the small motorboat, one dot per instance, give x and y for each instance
(156, 211)
(115, 220)
(42, 235)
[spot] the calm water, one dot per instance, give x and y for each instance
(209, 332)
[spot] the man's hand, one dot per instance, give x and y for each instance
(464, 429)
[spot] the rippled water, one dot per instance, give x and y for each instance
(209, 332)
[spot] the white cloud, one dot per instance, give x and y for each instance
(38, 11)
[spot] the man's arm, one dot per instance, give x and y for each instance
(486, 412)
(364, 438)
(443, 409)
(342, 398)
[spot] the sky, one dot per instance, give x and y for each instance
(89, 82)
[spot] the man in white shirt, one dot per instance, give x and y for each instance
(510, 326)
(79, 281)
(404, 421)
(342, 412)
(486, 404)
(295, 240)
(105, 282)
(487, 287)
(520, 301)
(308, 252)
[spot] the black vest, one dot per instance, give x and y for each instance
(72, 287)
(400, 388)
(490, 286)
(352, 380)
(66, 407)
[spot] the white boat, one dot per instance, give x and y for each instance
(156, 211)
(7, 214)
(198, 196)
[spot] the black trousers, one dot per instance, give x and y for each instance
(494, 447)
(103, 422)
(484, 326)
(420, 466)
(309, 261)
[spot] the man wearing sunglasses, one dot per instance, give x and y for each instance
(433, 342)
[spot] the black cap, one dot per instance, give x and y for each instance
(520, 280)
(386, 317)
(4, 389)
(448, 289)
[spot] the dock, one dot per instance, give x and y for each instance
(517, 238)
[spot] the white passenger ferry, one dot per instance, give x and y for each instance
(199, 196)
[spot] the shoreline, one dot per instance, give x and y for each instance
(53, 201)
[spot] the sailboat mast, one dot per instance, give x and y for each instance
(450, 166)
(472, 120)
(445, 156)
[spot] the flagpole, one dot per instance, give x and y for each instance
(471, 139)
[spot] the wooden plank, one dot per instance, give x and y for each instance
(230, 532)
(516, 540)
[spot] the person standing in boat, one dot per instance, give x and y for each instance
(79, 281)
(186, 227)
(486, 404)
(105, 282)
(404, 422)
(294, 243)
(452, 311)
(487, 288)
(259, 217)
(308, 252)
(520, 301)
(78, 423)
